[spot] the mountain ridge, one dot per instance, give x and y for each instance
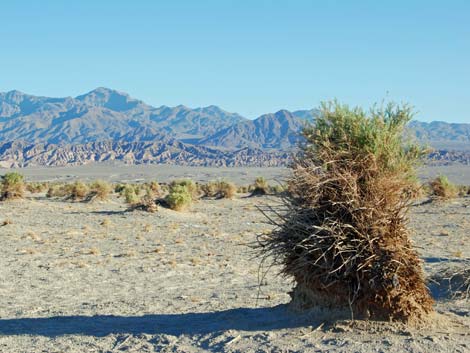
(107, 115)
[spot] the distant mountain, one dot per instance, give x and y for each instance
(442, 135)
(103, 114)
(107, 124)
(269, 131)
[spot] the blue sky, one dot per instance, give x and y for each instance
(249, 57)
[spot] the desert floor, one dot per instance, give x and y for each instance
(119, 172)
(91, 277)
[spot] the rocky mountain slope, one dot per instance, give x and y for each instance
(103, 114)
(22, 154)
(107, 124)
(270, 131)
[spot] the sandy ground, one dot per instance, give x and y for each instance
(90, 277)
(118, 172)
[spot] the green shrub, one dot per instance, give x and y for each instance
(190, 185)
(130, 196)
(179, 197)
(12, 186)
(343, 237)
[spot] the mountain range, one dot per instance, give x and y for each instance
(105, 124)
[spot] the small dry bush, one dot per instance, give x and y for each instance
(278, 189)
(260, 187)
(154, 188)
(35, 188)
(227, 190)
(12, 186)
(463, 190)
(415, 190)
(57, 190)
(145, 203)
(219, 189)
(99, 190)
(342, 236)
(243, 189)
(443, 189)
(77, 191)
(179, 197)
(118, 188)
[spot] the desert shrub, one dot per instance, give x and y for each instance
(138, 189)
(442, 188)
(463, 190)
(415, 189)
(343, 235)
(227, 189)
(179, 197)
(260, 187)
(155, 188)
(278, 188)
(210, 189)
(164, 188)
(146, 202)
(35, 188)
(12, 186)
(100, 190)
(58, 190)
(130, 196)
(219, 189)
(192, 188)
(119, 188)
(76, 191)
(243, 189)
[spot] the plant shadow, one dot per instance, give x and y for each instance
(244, 319)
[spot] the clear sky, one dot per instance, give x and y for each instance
(250, 57)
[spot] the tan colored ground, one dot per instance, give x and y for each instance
(90, 277)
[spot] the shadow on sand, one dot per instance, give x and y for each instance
(244, 319)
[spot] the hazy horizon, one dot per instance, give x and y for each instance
(246, 57)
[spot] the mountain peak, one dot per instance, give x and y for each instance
(109, 98)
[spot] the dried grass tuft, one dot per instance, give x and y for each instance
(443, 189)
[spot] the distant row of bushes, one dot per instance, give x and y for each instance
(179, 194)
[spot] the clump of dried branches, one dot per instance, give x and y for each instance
(343, 237)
